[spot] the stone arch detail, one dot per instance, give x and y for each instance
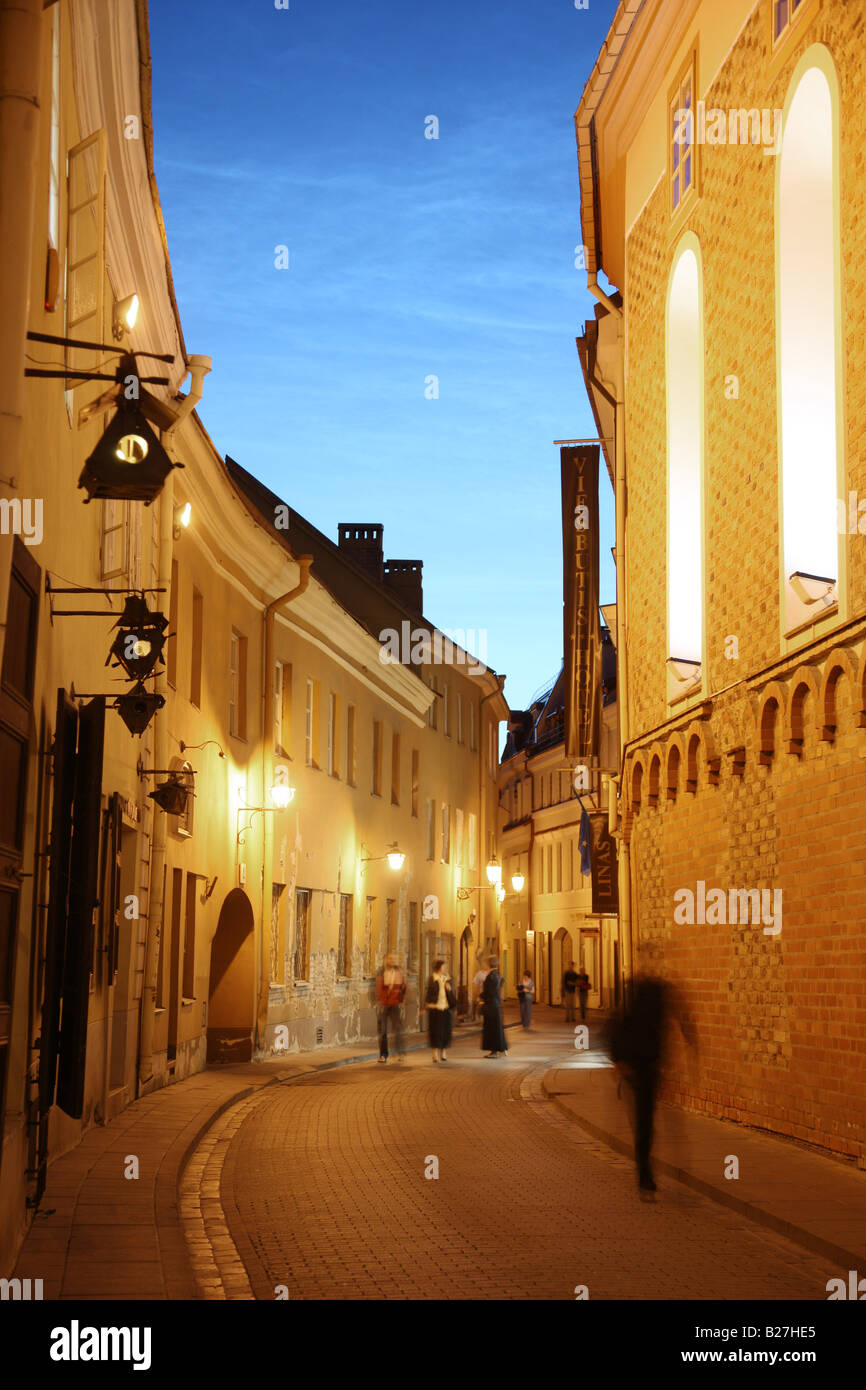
(655, 775)
(860, 690)
(840, 662)
(803, 682)
(635, 782)
(770, 719)
(674, 763)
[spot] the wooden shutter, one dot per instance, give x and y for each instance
(65, 729)
(85, 250)
(83, 895)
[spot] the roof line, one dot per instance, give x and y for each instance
(584, 124)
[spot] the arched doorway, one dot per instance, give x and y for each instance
(231, 991)
(563, 954)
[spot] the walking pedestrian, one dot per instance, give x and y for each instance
(569, 988)
(390, 993)
(636, 1046)
(493, 1033)
(477, 985)
(525, 994)
(583, 988)
(441, 1001)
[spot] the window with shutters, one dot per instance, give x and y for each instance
(114, 545)
(301, 956)
(345, 943)
(350, 746)
(171, 643)
(197, 635)
(238, 685)
(85, 252)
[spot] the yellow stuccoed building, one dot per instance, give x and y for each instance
(139, 940)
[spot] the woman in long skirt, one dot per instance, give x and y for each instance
(441, 1001)
(493, 1033)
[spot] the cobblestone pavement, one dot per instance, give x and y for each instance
(324, 1192)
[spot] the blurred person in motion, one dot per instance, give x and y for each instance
(477, 985)
(569, 989)
(636, 1043)
(493, 1033)
(390, 993)
(441, 1002)
(525, 995)
(583, 987)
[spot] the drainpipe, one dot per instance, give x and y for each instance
(20, 118)
(500, 685)
(269, 619)
(623, 858)
(198, 368)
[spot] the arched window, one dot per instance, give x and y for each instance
(809, 344)
(685, 417)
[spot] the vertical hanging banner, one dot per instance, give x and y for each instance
(605, 883)
(581, 635)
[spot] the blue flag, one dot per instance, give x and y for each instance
(584, 843)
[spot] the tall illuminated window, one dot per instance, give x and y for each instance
(808, 350)
(685, 352)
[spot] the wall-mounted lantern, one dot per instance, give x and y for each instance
(140, 638)
(172, 796)
(128, 462)
(138, 707)
(394, 855)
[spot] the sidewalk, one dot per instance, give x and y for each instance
(818, 1202)
(101, 1235)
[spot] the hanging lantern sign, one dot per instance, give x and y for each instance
(140, 638)
(138, 708)
(129, 462)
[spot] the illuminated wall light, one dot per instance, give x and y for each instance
(125, 315)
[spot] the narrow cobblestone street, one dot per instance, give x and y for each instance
(324, 1191)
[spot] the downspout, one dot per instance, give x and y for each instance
(268, 620)
(500, 686)
(623, 858)
(20, 120)
(198, 367)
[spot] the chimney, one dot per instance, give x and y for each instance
(362, 543)
(404, 578)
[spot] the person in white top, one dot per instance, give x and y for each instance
(441, 1002)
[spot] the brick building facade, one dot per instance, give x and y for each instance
(743, 760)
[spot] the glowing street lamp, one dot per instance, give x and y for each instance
(517, 882)
(395, 857)
(494, 872)
(281, 792)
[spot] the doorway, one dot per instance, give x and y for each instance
(590, 957)
(231, 989)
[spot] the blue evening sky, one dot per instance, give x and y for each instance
(408, 258)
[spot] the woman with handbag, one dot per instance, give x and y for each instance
(441, 1002)
(493, 1033)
